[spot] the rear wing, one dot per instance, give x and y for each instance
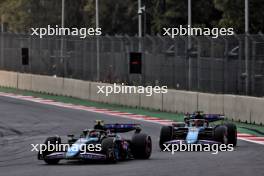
(213, 117)
(207, 117)
(122, 128)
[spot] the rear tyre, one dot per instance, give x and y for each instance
(53, 141)
(109, 149)
(141, 146)
(220, 134)
(231, 134)
(166, 134)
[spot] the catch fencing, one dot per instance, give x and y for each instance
(230, 65)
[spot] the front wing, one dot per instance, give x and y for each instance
(81, 156)
(198, 142)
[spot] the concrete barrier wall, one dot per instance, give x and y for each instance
(98, 97)
(211, 103)
(151, 102)
(243, 108)
(229, 106)
(76, 88)
(169, 101)
(132, 100)
(180, 101)
(191, 101)
(257, 110)
(47, 84)
(8, 79)
(24, 81)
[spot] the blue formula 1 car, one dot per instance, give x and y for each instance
(102, 143)
(196, 130)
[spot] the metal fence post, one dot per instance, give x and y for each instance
(211, 64)
(189, 64)
(253, 64)
(224, 65)
(84, 60)
(246, 65)
(2, 49)
(239, 74)
(198, 64)
(2, 42)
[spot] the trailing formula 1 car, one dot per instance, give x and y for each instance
(196, 130)
(102, 143)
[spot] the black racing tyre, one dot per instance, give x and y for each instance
(51, 140)
(231, 133)
(220, 134)
(108, 148)
(141, 146)
(166, 134)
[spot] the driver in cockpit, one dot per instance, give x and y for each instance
(198, 115)
(99, 125)
(94, 134)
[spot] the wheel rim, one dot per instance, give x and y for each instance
(225, 139)
(148, 146)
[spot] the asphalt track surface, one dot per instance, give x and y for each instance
(23, 123)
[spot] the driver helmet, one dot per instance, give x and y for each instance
(99, 125)
(198, 115)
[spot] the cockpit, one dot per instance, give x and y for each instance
(94, 134)
(197, 123)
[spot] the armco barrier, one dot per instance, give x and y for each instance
(235, 107)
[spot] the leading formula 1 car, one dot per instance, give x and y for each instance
(196, 130)
(113, 146)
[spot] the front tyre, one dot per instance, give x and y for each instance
(141, 146)
(109, 149)
(166, 134)
(51, 141)
(231, 134)
(220, 134)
